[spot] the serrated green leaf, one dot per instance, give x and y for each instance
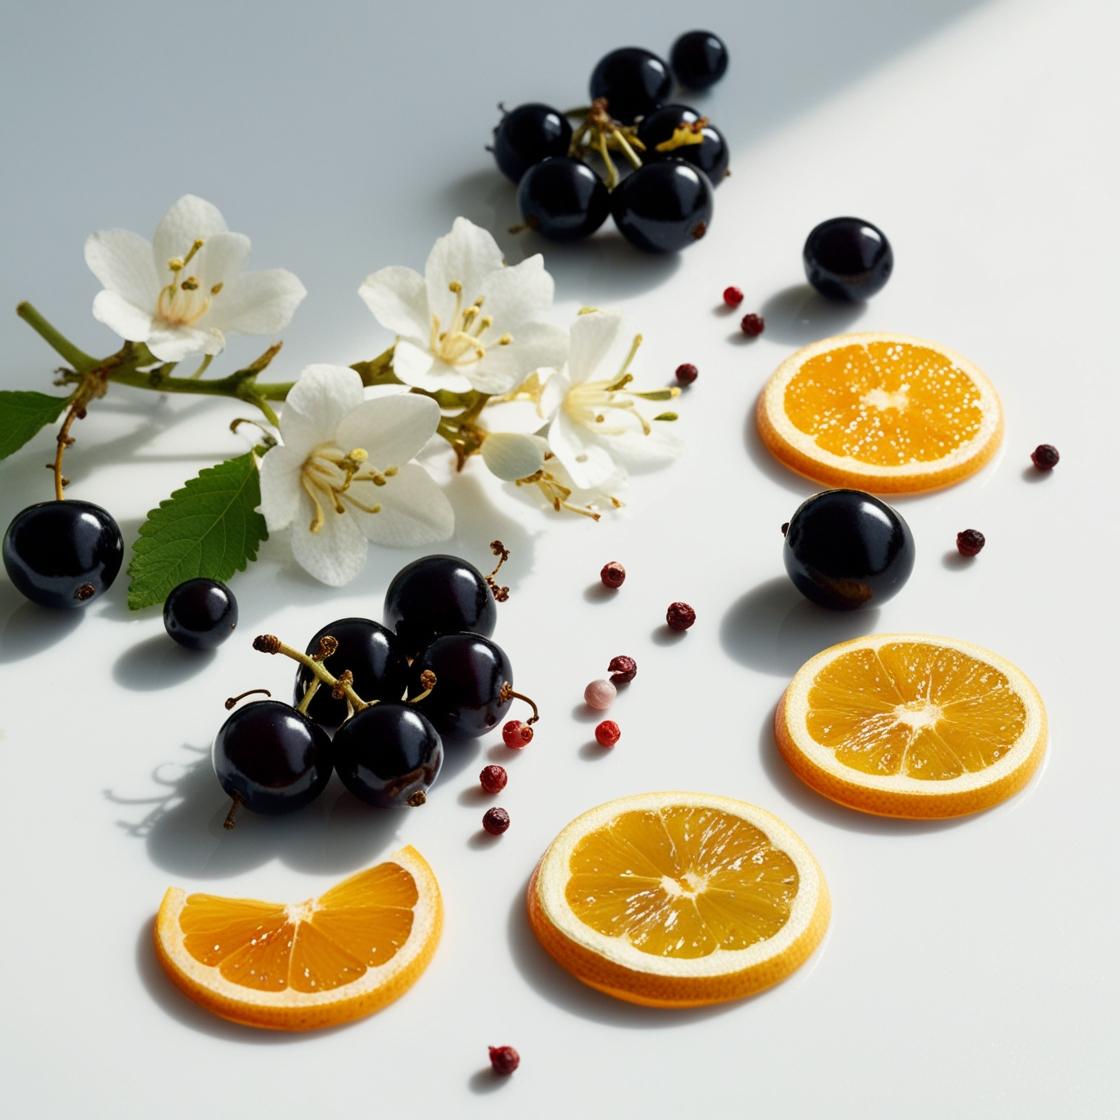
(22, 414)
(208, 528)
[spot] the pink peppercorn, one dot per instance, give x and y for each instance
(495, 821)
(607, 733)
(680, 616)
(733, 296)
(687, 373)
(613, 575)
(600, 695)
(504, 1060)
(493, 778)
(752, 325)
(622, 669)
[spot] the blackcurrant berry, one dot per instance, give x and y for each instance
(438, 595)
(846, 549)
(563, 199)
(63, 554)
(699, 59)
(711, 155)
(388, 755)
(847, 259)
(271, 758)
(470, 674)
(372, 654)
(200, 613)
(664, 206)
(528, 134)
(633, 81)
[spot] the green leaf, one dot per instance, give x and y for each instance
(22, 414)
(208, 528)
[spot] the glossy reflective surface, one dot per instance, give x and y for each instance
(388, 754)
(438, 595)
(63, 554)
(200, 614)
(663, 207)
(845, 549)
(847, 259)
(272, 758)
(699, 59)
(563, 199)
(470, 671)
(371, 652)
(633, 81)
(528, 134)
(711, 155)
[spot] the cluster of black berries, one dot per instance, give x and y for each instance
(674, 153)
(434, 648)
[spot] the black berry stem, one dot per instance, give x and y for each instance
(340, 686)
(508, 693)
(231, 816)
(308, 695)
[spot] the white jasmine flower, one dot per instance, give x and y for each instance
(562, 493)
(180, 293)
(470, 322)
(598, 424)
(342, 475)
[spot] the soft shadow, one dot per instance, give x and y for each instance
(1034, 475)
(593, 749)
(598, 592)
(665, 635)
(28, 628)
(159, 662)
(775, 629)
(799, 315)
(954, 561)
(563, 990)
(458, 755)
(585, 713)
(486, 1081)
(478, 521)
(760, 457)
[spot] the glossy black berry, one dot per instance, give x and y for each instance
(563, 199)
(200, 614)
(664, 206)
(271, 758)
(438, 595)
(711, 155)
(467, 698)
(63, 554)
(848, 259)
(388, 755)
(699, 59)
(373, 655)
(528, 134)
(845, 549)
(634, 82)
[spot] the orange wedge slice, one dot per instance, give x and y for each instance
(311, 964)
(880, 412)
(908, 725)
(678, 899)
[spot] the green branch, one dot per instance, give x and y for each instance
(55, 339)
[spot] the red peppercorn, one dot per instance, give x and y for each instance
(680, 616)
(493, 778)
(752, 325)
(613, 575)
(623, 669)
(607, 733)
(969, 542)
(1045, 457)
(516, 734)
(504, 1059)
(495, 821)
(732, 296)
(687, 373)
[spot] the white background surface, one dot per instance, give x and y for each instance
(971, 966)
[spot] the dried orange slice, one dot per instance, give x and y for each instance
(881, 412)
(678, 899)
(311, 964)
(908, 725)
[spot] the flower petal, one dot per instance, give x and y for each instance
(638, 451)
(391, 429)
(519, 293)
(510, 456)
(122, 317)
(189, 219)
(535, 346)
(414, 511)
(592, 337)
(588, 463)
(523, 415)
(415, 366)
(258, 302)
(281, 489)
(122, 261)
(467, 255)
(398, 298)
(174, 343)
(336, 553)
(220, 259)
(315, 407)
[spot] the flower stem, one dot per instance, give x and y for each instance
(54, 338)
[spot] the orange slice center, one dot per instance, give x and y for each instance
(915, 709)
(681, 882)
(885, 403)
(313, 946)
